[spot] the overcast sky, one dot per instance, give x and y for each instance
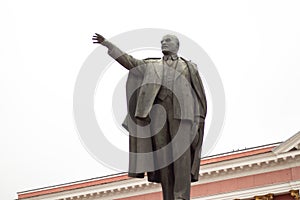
(255, 46)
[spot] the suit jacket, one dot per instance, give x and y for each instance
(143, 84)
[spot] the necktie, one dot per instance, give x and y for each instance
(169, 61)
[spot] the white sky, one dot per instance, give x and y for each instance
(255, 46)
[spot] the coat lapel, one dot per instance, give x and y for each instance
(180, 69)
(158, 67)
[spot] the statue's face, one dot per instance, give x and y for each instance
(169, 44)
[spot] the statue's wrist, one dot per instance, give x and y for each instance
(108, 44)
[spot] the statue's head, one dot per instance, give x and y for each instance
(169, 44)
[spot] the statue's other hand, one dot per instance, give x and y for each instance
(98, 39)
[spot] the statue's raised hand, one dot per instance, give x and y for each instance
(98, 39)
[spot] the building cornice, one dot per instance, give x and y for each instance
(250, 193)
(227, 166)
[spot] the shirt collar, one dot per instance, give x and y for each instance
(170, 57)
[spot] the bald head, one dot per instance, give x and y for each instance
(169, 44)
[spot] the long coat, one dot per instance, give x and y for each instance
(140, 99)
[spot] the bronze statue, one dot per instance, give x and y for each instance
(185, 104)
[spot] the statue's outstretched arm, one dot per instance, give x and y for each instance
(123, 58)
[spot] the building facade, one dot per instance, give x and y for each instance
(259, 173)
